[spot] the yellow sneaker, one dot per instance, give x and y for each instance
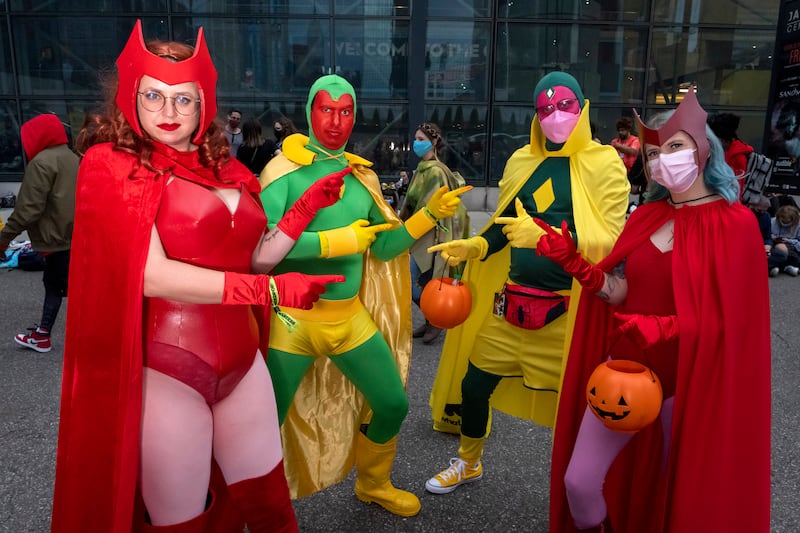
(460, 472)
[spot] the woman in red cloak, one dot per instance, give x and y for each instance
(163, 380)
(669, 296)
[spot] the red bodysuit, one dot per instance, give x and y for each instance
(208, 347)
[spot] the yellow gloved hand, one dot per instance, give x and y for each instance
(455, 252)
(444, 202)
(352, 239)
(521, 231)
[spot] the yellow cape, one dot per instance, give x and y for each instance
(321, 426)
(600, 192)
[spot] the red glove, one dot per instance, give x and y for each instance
(647, 330)
(322, 193)
(294, 289)
(560, 248)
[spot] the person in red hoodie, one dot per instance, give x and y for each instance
(45, 208)
(724, 126)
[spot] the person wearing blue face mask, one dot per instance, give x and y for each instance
(429, 176)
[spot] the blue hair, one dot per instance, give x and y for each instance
(717, 175)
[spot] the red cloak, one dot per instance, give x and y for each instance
(97, 460)
(717, 476)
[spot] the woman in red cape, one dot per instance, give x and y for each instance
(669, 295)
(168, 418)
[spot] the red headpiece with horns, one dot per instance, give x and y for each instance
(689, 117)
(136, 61)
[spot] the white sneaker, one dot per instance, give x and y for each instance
(460, 472)
(774, 271)
(792, 271)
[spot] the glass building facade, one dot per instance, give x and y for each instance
(468, 65)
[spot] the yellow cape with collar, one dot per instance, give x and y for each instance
(321, 426)
(600, 192)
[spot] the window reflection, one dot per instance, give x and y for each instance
(456, 61)
(606, 61)
(96, 6)
(373, 56)
(728, 67)
(462, 8)
(731, 12)
(10, 145)
(380, 135)
(65, 55)
(464, 130)
(623, 10)
(262, 57)
(385, 8)
(252, 7)
(6, 74)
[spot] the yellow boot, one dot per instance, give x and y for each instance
(465, 468)
(373, 466)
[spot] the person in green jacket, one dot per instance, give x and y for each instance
(431, 174)
(45, 207)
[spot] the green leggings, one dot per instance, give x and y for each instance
(370, 367)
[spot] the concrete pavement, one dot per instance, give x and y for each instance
(513, 495)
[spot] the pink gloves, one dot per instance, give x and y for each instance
(560, 248)
(323, 193)
(293, 289)
(647, 330)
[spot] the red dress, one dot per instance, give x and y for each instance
(717, 476)
(648, 272)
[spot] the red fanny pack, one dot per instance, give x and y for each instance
(530, 308)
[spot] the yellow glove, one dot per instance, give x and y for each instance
(521, 231)
(455, 252)
(444, 202)
(352, 239)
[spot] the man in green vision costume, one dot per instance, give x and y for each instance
(356, 340)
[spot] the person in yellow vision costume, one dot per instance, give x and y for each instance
(360, 330)
(512, 347)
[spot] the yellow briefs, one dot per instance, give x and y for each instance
(331, 327)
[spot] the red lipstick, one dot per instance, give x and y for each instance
(169, 127)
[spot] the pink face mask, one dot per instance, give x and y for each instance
(676, 171)
(558, 125)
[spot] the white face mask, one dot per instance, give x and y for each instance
(676, 171)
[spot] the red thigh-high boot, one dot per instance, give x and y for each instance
(265, 503)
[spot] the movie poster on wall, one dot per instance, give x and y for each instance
(782, 135)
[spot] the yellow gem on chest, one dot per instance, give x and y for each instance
(544, 196)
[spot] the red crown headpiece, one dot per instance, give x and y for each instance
(136, 61)
(689, 117)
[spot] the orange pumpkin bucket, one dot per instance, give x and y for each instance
(624, 395)
(446, 302)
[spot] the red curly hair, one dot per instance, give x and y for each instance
(108, 124)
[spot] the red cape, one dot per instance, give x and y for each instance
(101, 398)
(718, 472)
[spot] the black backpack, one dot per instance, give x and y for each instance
(757, 176)
(29, 259)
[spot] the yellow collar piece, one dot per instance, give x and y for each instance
(294, 148)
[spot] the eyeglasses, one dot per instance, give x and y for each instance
(562, 105)
(154, 101)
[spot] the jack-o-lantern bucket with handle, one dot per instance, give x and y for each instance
(446, 302)
(625, 395)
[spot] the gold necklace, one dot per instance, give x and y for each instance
(340, 157)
